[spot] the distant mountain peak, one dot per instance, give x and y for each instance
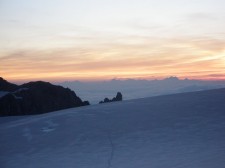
(172, 78)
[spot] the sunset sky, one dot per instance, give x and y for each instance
(58, 40)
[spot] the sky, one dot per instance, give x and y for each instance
(105, 39)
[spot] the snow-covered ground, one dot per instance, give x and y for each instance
(3, 93)
(133, 89)
(174, 131)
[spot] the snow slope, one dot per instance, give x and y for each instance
(174, 131)
(131, 89)
(3, 93)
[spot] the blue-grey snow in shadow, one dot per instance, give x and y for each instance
(178, 131)
(132, 89)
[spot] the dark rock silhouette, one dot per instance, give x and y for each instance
(106, 100)
(6, 86)
(86, 103)
(37, 97)
(118, 97)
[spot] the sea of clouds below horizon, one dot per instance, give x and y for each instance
(133, 89)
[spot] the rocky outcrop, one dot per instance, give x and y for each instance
(6, 86)
(118, 97)
(38, 97)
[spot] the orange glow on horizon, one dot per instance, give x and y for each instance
(103, 40)
(182, 57)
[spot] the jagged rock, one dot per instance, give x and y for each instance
(118, 97)
(86, 103)
(6, 86)
(106, 100)
(38, 97)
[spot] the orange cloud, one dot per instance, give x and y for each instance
(141, 57)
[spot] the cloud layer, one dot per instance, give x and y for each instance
(99, 40)
(133, 57)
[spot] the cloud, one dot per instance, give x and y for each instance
(141, 57)
(202, 16)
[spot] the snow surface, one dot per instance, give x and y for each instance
(96, 91)
(3, 93)
(20, 90)
(174, 131)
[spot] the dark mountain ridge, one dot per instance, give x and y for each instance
(36, 98)
(6, 86)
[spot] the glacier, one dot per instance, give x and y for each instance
(184, 130)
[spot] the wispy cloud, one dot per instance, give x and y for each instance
(143, 58)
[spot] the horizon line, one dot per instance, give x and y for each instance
(57, 81)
